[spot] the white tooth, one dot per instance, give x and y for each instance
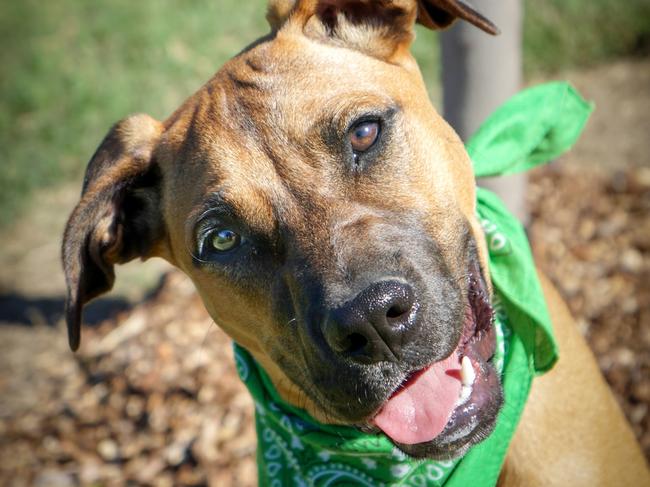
(467, 374)
(465, 392)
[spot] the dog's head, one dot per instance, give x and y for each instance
(326, 214)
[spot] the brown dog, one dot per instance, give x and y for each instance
(326, 214)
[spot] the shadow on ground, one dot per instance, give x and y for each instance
(29, 310)
(19, 309)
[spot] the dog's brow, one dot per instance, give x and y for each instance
(249, 75)
(245, 82)
(215, 202)
(219, 204)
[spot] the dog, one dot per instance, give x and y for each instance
(326, 215)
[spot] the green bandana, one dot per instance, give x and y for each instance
(532, 128)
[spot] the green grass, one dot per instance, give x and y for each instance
(71, 68)
(568, 33)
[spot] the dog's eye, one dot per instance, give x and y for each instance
(363, 135)
(223, 240)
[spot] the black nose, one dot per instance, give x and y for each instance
(372, 327)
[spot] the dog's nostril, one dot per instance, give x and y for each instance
(356, 343)
(395, 311)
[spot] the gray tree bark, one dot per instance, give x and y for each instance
(479, 73)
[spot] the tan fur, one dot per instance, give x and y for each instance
(572, 431)
(263, 114)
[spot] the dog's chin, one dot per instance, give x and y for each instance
(422, 417)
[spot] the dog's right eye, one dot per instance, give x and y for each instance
(216, 242)
(223, 240)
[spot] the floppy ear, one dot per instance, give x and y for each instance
(378, 27)
(118, 217)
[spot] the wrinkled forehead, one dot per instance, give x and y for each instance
(267, 105)
(294, 76)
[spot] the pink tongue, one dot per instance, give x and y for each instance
(420, 411)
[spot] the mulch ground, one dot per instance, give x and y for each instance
(591, 234)
(152, 398)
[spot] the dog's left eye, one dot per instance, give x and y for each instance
(223, 240)
(363, 135)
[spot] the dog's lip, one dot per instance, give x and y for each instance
(478, 343)
(464, 424)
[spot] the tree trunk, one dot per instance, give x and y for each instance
(479, 73)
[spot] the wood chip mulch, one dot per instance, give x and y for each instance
(591, 234)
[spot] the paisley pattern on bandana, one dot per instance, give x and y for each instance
(532, 128)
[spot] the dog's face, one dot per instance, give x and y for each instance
(325, 213)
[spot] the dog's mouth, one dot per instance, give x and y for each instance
(452, 401)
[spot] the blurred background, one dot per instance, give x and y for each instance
(152, 397)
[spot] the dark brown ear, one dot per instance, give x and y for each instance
(118, 217)
(379, 28)
(439, 14)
